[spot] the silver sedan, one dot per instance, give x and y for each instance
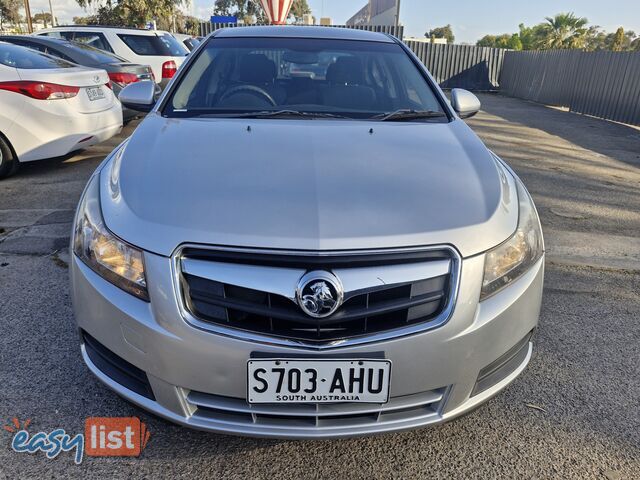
(305, 256)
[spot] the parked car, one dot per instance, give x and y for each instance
(189, 41)
(120, 71)
(338, 260)
(155, 48)
(50, 107)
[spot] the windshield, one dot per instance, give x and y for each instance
(161, 44)
(352, 79)
(192, 43)
(22, 57)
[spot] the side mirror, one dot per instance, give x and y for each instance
(139, 96)
(465, 103)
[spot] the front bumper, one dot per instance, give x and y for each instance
(198, 378)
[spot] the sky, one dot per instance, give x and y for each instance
(470, 19)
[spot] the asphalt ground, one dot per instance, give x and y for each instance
(574, 413)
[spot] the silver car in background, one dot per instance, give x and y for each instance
(284, 256)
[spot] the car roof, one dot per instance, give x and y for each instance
(131, 30)
(292, 31)
(36, 39)
(69, 47)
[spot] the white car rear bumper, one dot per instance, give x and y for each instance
(53, 134)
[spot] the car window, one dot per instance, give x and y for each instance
(43, 48)
(21, 57)
(28, 44)
(191, 43)
(172, 45)
(355, 79)
(97, 55)
(93, 39)
(57, 53)
(163, 45)
(57, 34)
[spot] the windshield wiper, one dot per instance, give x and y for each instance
(407, 114)
(274, 114)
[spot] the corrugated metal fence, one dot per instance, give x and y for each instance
(461, 66)
(602, 84)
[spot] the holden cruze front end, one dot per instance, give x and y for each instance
(272, 259)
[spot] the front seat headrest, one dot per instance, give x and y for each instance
(256, 69)
(346, 71)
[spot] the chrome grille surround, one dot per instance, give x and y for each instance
(453, 286)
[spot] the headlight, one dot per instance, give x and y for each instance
(511, 259)
(107, 255)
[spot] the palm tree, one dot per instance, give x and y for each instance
(565, 30)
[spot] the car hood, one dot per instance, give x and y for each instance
(307, 185)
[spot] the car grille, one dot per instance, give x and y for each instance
(416, 407)
(378, 307)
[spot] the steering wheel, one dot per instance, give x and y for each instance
(249, 89)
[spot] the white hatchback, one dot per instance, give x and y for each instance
(156, 48)
(50, 107)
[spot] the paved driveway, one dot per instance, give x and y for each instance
(574, 413)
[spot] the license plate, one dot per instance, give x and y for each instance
(95, 93)
(318, 381)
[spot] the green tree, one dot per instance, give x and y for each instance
(132, 12)
(506, 40)
(106, 15)
(191, 25)
(10, 12)
(223, 7)
(532, 38)
(44, 17)
(618, 40)
(514, 42)
(441, 32)
(487, 41)
(81, 20)
(179, 23)
(625, 40)
(299, 8)
(565, 30)
(596, 39)
(250, 10)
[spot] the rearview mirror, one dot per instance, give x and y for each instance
(139, 96)
(465, 103)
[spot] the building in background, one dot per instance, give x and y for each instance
(376, 12)
(307, 19)
(439, 41)
(326, 21)
(21, 28)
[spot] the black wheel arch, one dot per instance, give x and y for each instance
(8, 143)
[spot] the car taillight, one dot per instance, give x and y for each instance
(169, 69)
(123, 78)
(40, 90)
